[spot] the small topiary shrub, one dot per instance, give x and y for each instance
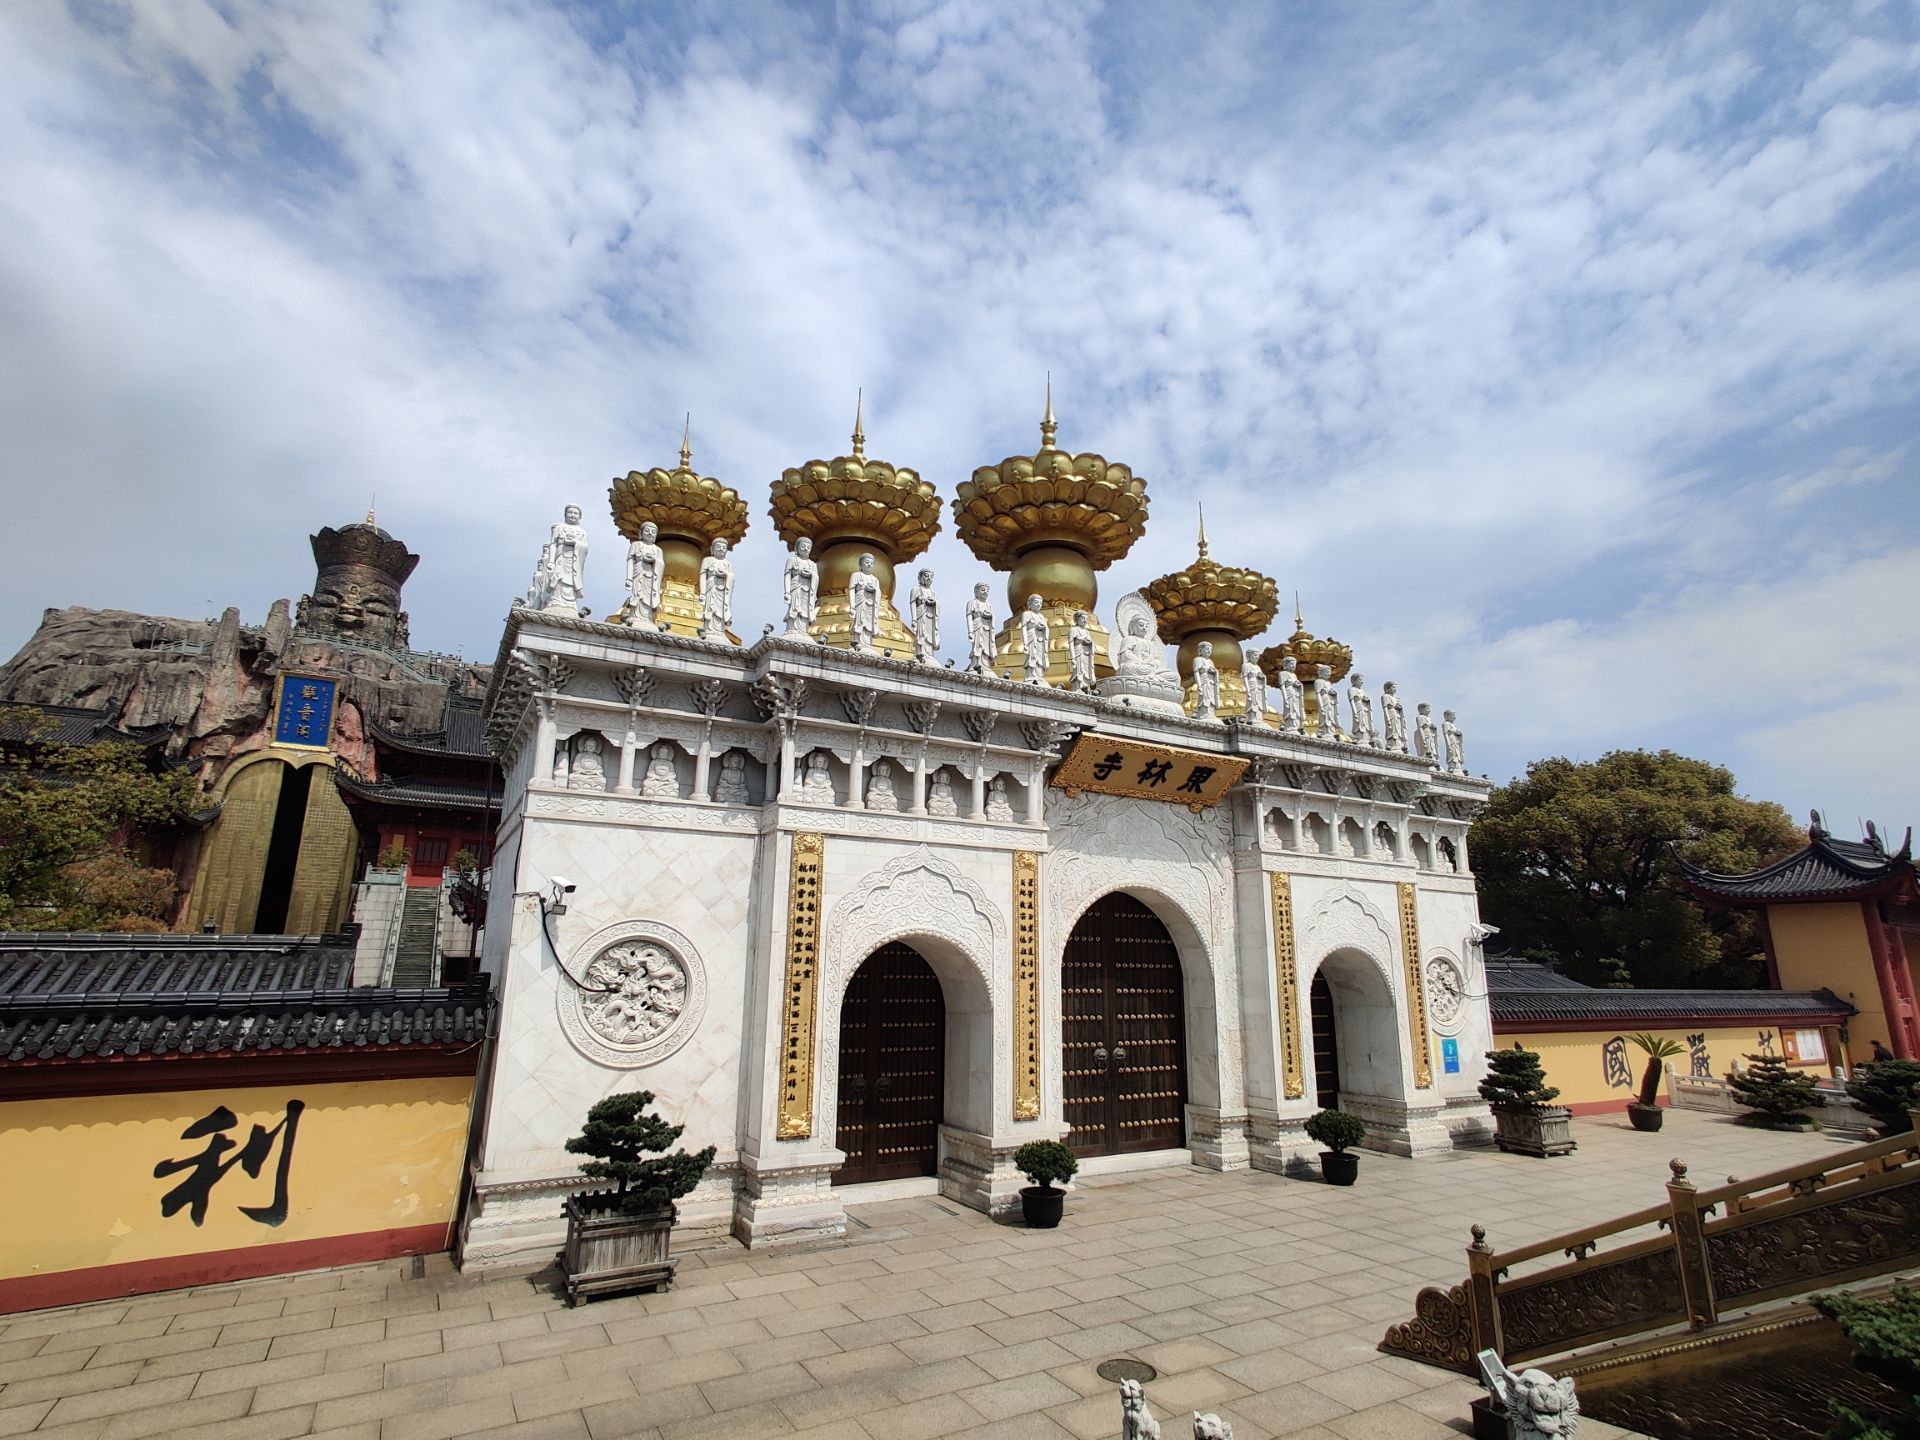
(1336, 1130)
(1046, 1162)
(620, 1133)
(1775, 1097)
(1886, 1344)
(1515, 1081)
(1887, 1090)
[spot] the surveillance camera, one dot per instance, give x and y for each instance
(562, 885)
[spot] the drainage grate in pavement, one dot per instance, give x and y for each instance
(1125, 1369)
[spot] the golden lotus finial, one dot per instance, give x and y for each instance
(1047, 424)
(1299, 620)
(859, 435)
(370, 499)
(1203, 528)
(686, 443)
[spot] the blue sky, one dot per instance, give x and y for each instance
(1563, 358)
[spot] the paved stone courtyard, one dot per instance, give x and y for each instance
(1258, 1296)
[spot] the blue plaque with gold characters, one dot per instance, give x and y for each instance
(303, 712)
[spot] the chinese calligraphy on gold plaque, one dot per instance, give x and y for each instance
(1108, 766)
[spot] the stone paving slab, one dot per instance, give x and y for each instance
(1258, 1296)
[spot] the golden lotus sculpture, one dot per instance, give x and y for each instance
(690, 511)
(852, 506)
(1219, 604)
(1051, 519)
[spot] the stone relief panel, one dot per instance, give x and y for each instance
(1446, 992)
(916, 894)
(1345, 920)
(633, 994)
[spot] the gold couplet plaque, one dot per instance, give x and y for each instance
(1416, 988)
(1286, 984)
(1026, 985)
(1108, 766)
(803, 966)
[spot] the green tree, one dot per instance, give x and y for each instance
(1775, 1096)
(1577, 864)
(1885, 1332)
(627, 1141)
(67, 813)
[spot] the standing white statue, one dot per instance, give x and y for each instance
(880, 792)
(979, 633)
(1292, 698)
(560, 579)
(1080, 653)
(1328, 700)
(1033, 640)
(863, 605)
(645, 566)
(716, 593)
(732, 787)
(1393, 718)
(1254, 679)
(924, 605)
(1455, 743)
(1427, 735)
(589, 768)
(1360, 712)
(801, 581)
(1206, 682)
(940, 796)
(999, 803)
(816, 786)
(1538, 1406)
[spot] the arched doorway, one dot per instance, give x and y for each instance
(1326, 1045)
(1123, 1032)
(893, 1029)
(1356, 1030)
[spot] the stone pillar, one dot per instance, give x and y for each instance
(785, 786)
(545, 737)
(702, 761)
(919, 806)
(623, 785)
(980, 785)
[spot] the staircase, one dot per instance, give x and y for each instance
(417, 956)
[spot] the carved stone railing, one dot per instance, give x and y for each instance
(1747, 1242)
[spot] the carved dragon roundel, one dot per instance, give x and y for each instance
(640, 994)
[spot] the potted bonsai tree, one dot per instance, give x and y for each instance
(1336, 1130)
(617, 1239)
(1046, 1163)
(1525, 1119)
(1776, 1097)
(1645, 1113)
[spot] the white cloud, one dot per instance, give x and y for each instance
(1506, 346)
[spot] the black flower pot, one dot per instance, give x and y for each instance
(1339, 1167)
(1644, 1117)
(1041, 1205)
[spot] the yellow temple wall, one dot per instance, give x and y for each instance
(373, 1171)
(1576, 1060)
(1826, 945)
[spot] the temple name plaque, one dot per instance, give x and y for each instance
(1109, 766)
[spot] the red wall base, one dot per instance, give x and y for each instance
(141, 1277)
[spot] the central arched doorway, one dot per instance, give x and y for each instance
(1123, 1032)
(893, 1031)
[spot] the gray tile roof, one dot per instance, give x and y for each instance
(1827, 869)
(1524, 992)
(78, 999)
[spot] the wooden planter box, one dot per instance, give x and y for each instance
(1535, 1132)
(611, 1253)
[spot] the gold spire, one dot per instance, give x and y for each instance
(1299, 620)
(859, 436)
(370, 502)
(1203, 528)
(1047, 423)
(686, 444)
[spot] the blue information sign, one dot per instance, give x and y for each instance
(305, 716)
(1450, 1056)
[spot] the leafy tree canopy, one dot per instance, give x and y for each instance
(66, 815)
(1577, 864)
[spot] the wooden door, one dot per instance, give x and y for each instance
(1123, 1032)
(893, 1033)
(1326, 1045)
